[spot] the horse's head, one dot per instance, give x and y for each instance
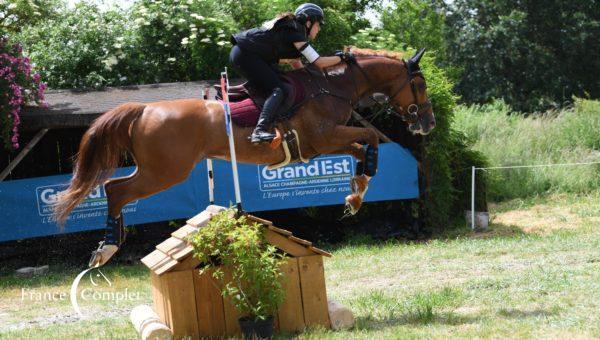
(408, 98)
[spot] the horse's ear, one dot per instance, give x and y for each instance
(417, 57)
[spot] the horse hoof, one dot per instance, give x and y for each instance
(353, 203)
(102, 255)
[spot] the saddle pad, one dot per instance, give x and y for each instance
(245, 112)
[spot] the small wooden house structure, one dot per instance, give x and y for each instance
(190, 304)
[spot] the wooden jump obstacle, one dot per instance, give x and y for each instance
(190, 304)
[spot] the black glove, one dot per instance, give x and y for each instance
(346, 56)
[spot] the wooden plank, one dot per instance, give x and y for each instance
(209, 304)
(164, 267)
(314, 295)
(184, 231)
(288, 246)
(280, 231)
(301, 241)
(166, 305)
(182, 303)
(201, 219)
(38, 136)
(320, 251)
(259, 220)
(158, 297)
(231, 314)
(154, 258)
(171, 245)
(190, 262)
(290, 313)
(181, 253)
(215, 209)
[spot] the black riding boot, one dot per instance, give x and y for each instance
(262, 131)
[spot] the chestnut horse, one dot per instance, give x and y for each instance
(167, 139)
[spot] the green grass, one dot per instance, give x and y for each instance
(507, 138)
(515, 280)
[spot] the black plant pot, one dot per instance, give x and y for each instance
(252, 329)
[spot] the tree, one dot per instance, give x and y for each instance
(415, 23)
(534, 54)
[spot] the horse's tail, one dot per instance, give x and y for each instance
(98, 156)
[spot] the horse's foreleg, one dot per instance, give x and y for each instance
(366, 166)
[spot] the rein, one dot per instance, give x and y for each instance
(413, 110)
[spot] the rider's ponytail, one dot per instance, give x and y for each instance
(280, 18)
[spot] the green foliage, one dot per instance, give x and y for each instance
(335, 34)
(376, 38)
(17, 14)
(253, 13)
(416, 24)
(533, 54)
(182, 40)
(227, 242)
(80, 48)
(506, 137)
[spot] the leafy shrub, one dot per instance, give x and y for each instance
(80, 48)
(182, 40)
(18, 86)
(227, 242)
(17, 14)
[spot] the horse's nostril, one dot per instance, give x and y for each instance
(432, 124)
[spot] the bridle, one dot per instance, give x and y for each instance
(413, 110)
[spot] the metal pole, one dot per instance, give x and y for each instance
(473, 198)
(229, 128)
(211, 181)
(209, 167)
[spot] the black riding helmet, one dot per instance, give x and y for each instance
(309, 11)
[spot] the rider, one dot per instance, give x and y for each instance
(257, 50)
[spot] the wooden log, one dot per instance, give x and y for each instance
(341, 317)
(148, 325)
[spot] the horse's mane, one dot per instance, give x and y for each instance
(367, 52)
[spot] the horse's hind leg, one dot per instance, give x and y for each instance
(121, 191)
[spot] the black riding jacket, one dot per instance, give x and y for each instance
(273, 44)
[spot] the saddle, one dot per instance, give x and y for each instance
(246, 101)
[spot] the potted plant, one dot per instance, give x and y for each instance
(233, 245)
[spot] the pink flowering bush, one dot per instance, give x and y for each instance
(17, 88)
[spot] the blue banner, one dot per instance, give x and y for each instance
(26, 204)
